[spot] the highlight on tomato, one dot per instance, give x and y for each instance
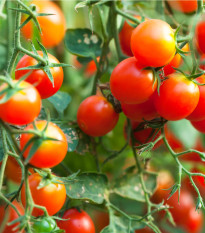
(96, 116)
(53, 26)
(78, 221)
(25, 103)
(131, 83)
(52, 196)
(51, 151)
(178, 97)
(38, 77)
(10, 214)
(153, 43)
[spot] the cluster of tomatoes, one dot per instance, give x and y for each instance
(43, 144)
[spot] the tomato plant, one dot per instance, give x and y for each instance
(55, 142)
(153, 43)
(45, 196)
(38, 77)
(139, 78)
(53, 26)
(77, 221)
(26, 97)
(96, 116)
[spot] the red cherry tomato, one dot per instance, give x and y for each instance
(53, 26)
(77, 222)
(140, 112)
(26, 104)
(38, 77)
(125, 37)
(199, 112)
(144, 230)
(13, 170)
(200, 35)
(96, 116)
(175, 62)
(178, 97)
(101, 220)
(52, 196)
(153, 43)
(202, 62)
(131, 83)
(11, 215)
(183, 5)
(50, 153)
(199, 125)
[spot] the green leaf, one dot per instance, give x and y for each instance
(60, 101)
(1, 148)
(88, 186)
(83, 42)
(121, 224)
(72, 137)
(83, 144)
(129, 186)
(185, 132)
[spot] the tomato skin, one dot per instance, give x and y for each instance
(45, 196)
(129, 76)
(12, 215)
(199, 112)
(140, 112)
(38, 77)
(183, 6)
(53, 27)
(178, 97)
(78, 222)
(153, 43)
(199, 125)
(45, 156)
(25, 103)
(200, 35)
(96, 116)
(144, 230)
(101, 220)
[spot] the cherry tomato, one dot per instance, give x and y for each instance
(77, 222)
(199, 125)
(96, 116)
(26, 104)
(53, 26)
(38, 77)
(44, 225)
(52, 196)
(130, 83)
(183, 6)
(10, 214)
(202, 62)
(178, 97)
(200, 35)
(50, 153)
(101, 220)
(125, 37)
(175, 62)
(153, 43)
(199, 112)
(144, 230)
(13, 170)
(140, 112)
(142, 134)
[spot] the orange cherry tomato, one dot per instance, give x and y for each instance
(38, 77)
(26, 104)
(153, 43)
(183, 5)
(51, 152)
(52, 196)
(53, 26)
(13, 170)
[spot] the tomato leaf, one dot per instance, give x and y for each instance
(60, 101)
(88, 186)
(83, 42)
(72, 137)
(3, 56)
(129, 186)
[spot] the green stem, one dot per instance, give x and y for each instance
(2, 4)
(122, 13)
